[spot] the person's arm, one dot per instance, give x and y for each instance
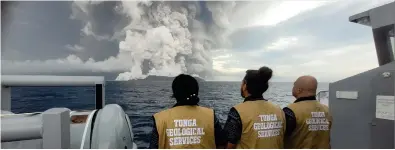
(290, 121)
(218, 134)
(154, 136)
(233, 129)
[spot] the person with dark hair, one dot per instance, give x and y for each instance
(308, 121)
(186, 125)
(256, 123)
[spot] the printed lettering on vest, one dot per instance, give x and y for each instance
(184, 132)
(268, 126)
(318, 122)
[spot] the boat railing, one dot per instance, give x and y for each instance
(8, 81)
(52, 126)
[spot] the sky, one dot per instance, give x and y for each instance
(214, 40)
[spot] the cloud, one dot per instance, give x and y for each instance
(137, 39)
(325, 66)
(283, 10)
(173, 37)
(87, 30)
(343, 65)
(84, 11)
(162, 38)
(283, 43)
(75, 48)
(264, 13)
(69, 64)
(313, 42)
(326, 23)
(308, 43)
(315, 63)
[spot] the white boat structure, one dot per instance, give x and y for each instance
(105, 127)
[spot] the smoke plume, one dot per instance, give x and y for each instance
(166, 38)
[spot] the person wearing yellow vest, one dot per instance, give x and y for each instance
(256, 123)
(308, 121)
(186, 125)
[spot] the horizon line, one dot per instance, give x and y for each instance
(206, 81)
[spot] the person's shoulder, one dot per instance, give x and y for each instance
(288, 111)
(242, 104)
(206, 108)
(274, 107)
(162, 112)
(270, 103)
(293, 106)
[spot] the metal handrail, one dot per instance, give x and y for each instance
(45, 80)
(8, 81)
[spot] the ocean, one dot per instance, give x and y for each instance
(141, 99)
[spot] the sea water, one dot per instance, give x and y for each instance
(141, 99)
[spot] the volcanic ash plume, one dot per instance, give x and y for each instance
(169, 38)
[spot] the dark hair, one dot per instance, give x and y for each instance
(257, 81)
(185, 89)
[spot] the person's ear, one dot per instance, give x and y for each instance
(245, 90)
(244, 87)
(300, 90)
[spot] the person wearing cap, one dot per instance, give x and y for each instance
(186, 125)
(255, 123)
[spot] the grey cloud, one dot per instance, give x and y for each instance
(204, 30)
(91, 32)
(327, 29)
(45, 35)
(100, 21)
(100, 18)
(100, 27)
(187, 31)
(98, 50)
(75, 48)
(50, 28)
(70, 65)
